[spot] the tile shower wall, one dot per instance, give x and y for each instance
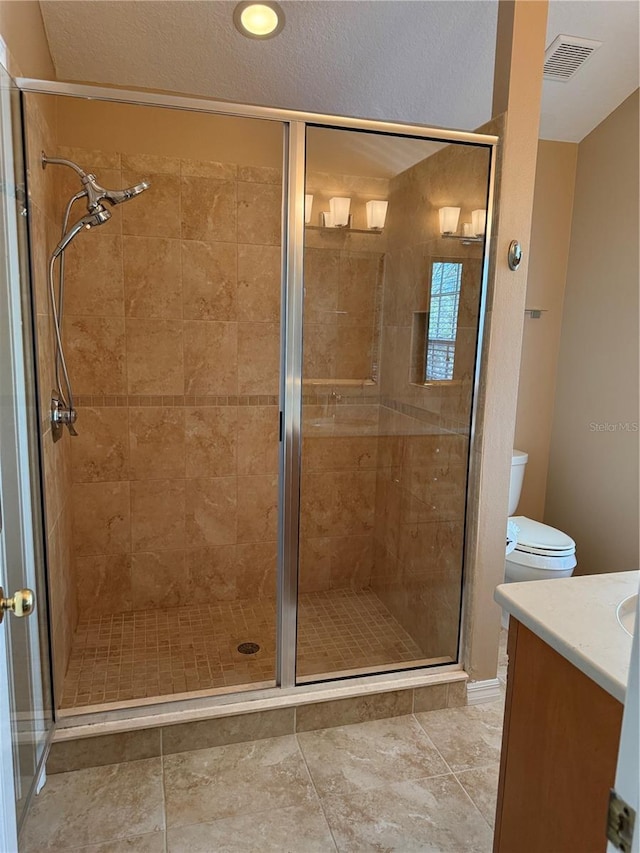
(342, 319)
(44, 223)
(172, 328)
(424, 430)
(343, 284)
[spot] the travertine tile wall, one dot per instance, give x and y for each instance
(424, 430)
(44, 223)
(172, 328)
(339, 457)
(342, 320)
(343, 283)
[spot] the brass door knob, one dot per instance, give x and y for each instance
(22, 603)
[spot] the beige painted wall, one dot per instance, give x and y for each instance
(102, 125)
(550, 237)
(592, 487)
(23, 31)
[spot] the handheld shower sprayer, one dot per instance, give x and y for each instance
(63, 412)
(99, 216)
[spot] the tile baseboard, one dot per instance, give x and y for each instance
(69, 753)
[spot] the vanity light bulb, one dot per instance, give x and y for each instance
(308, 204)
(376, 214)
(449, 219)
(339, 210)
(479, 222)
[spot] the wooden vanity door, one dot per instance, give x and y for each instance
(559, 751)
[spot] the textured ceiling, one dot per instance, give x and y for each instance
(407, 60)
(571, 110)
(424, 61)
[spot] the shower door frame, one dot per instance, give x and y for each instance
(294, 125)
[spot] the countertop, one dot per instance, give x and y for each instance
(576, 616)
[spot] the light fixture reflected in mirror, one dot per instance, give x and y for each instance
(449, 219)
(478, 222)
(470, 232)
(340, 218)
(308, 205)
(376, 214)
(339, 208)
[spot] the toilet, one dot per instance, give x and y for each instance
(541, 552)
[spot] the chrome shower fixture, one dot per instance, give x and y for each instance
(99, 216)
(63, 412)
(95, 193)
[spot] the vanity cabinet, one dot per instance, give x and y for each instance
(559, 753)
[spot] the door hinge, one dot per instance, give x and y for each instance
(620, 822)
(281, 425)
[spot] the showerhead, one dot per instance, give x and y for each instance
(98, 217)
(95, 193)
(118, 196)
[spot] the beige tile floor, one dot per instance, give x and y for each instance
(423, 782)
(151, 653)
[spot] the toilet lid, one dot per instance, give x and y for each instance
(537, 538)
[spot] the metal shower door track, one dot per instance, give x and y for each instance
(192, 104)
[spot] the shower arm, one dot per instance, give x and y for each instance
(60, 161)
(92, 189)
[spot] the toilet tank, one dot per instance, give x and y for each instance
(518, 463)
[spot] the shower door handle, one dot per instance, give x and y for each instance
(21, 603)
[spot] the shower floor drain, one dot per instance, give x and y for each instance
(248, 648)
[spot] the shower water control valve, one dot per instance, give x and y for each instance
(62, 415)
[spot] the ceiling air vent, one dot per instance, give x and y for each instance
(565, 55)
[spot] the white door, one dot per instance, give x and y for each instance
(25, 705)
(628, 771)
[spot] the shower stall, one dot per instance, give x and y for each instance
(257, 386)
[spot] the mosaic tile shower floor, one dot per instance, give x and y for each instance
(150, 653)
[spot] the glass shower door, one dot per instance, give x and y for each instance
(172, 336)
(391, 319)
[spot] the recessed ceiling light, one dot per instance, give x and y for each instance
(258, 20)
